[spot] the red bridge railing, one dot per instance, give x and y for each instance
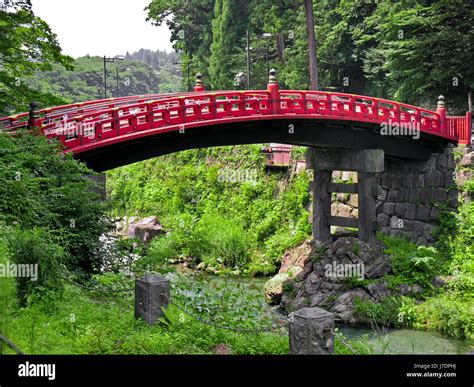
(84, 126)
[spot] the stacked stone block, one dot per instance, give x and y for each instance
(411, 195)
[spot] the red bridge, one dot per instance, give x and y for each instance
(114, 132)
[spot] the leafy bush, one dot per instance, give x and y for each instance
(407, 314)
(411, 264)
(221, 239)
(40, 187)
(449, 315)
(36, 247)
(162, 249)
(462, 264)
(383, 313)
(469, 187)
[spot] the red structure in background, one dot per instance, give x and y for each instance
(277, 155)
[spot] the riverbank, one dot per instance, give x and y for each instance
(88, 322)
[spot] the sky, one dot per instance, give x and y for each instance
(102, 27)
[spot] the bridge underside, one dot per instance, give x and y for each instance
(316, 133)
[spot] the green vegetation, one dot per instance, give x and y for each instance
(411, 264)
(88, 323)
(228, 29)
(36, 246)
(377, 48)
(80, 324)
(86, 82)
(50, 216)
(240, 225)
(7, 289)
(27, 45)
(449, 309)
(48, 193)
(383, 313)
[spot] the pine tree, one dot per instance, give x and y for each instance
(228, 32)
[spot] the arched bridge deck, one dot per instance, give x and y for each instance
(114, 132)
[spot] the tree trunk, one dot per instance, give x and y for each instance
(313, 62)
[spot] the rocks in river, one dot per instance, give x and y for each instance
(379, 290)
(330, 277)
(146, 229)
(275, 285)
(344, 307)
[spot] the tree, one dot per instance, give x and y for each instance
(42, 188)
(420, 50)
(228, 32)
(313, 60)
(27, 45)
(190, 23)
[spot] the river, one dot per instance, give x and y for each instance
(386, 341)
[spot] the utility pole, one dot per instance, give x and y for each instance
(267, 36)
(105, 77)
(313, 62)
(248, 60)
(110, 60)
(117, 81)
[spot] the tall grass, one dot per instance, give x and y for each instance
(7, 289)
(222, 239)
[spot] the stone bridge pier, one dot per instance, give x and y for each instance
(398, 197)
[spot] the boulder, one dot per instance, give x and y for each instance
(146, 229)
(314, 287)
(274, 286)
(122, 225)
(379, 290)
(410, 289)
(440, 281)
(298, 256)
(344, 307)
(343, 210)
(467, 160)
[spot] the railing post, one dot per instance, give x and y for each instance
(464, 131)
(468, 127)
(150, 114)
(34, 120)
(441, 110)
(152, 295)
(116, 120)
(311, 332)
(274, 91)
(199, 84)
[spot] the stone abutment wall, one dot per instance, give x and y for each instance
(412, 194)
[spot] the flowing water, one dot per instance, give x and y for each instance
(387, 341)
(408, 341)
